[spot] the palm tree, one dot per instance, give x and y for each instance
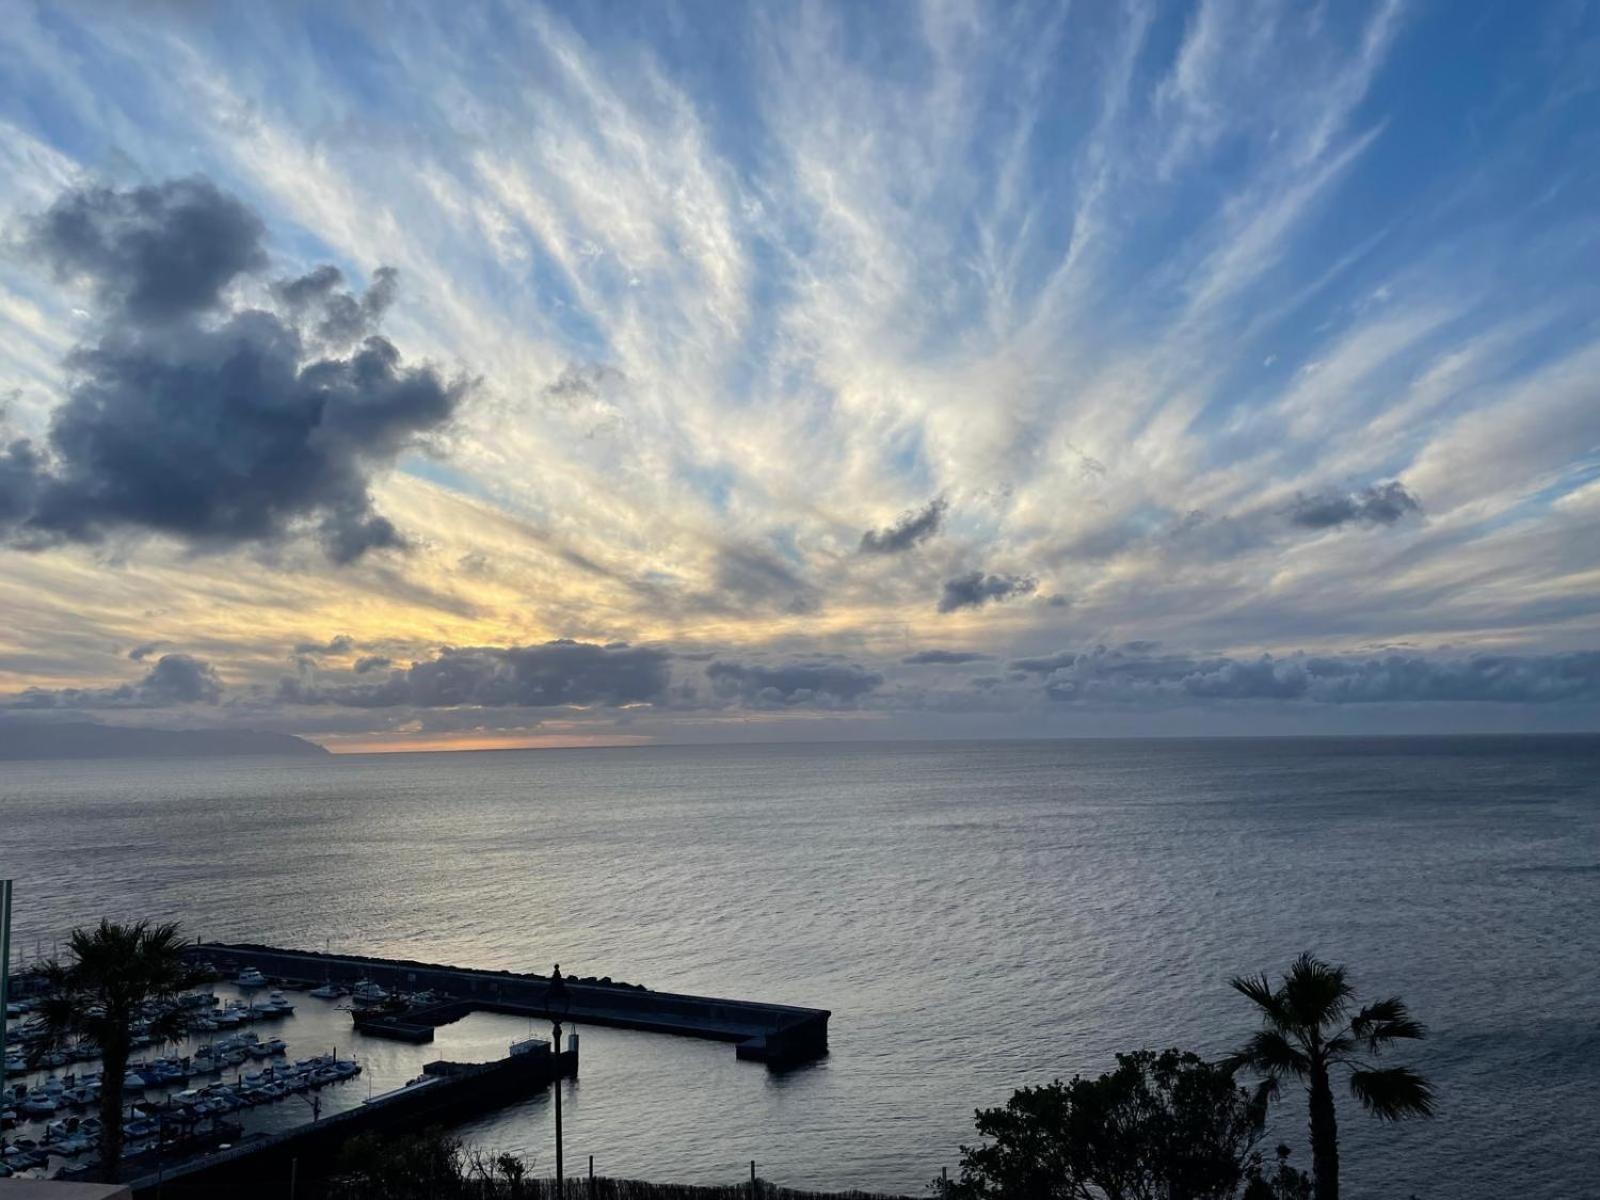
(1305, 1033)
(115, 976)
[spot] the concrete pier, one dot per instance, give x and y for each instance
(267, 1166)
(778, 1034)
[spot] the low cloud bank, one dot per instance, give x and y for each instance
(1120, 675)
(823, 683)
(943, 658)
(542, 676)
(175, 679)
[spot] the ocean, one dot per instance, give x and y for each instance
(977, 916)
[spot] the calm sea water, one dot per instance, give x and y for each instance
(977, 917)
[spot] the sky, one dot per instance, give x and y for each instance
(427, 376)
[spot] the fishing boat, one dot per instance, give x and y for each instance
(251, 978)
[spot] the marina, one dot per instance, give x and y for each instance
(282, 1048)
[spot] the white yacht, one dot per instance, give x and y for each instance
(369, 993)
(251, 978)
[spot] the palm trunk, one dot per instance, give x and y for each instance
(113, 1066)
(1324, 1136)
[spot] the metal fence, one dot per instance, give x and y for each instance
(579, 1189)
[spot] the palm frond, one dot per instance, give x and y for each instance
(1261, 1099)
(1315, 993)
(1386, 1021)
(1273, 1054)
(1392, 1094)
(1258, 990)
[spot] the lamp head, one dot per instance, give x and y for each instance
(558, 999)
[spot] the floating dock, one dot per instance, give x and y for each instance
(777, 1034)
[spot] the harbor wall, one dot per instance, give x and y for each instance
(779, 1034)
(267, 1166)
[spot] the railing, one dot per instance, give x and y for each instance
(579, 1189)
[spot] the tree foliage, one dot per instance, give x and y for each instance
(1165, 1126)
(113, 978)
(1308, 1031)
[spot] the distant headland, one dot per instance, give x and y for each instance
(25, 739)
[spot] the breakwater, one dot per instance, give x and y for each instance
(446, 1094)
(778, 1034)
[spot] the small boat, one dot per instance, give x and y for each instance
(367, 992)
(328, 991)
(251, 978)
(37, 1106)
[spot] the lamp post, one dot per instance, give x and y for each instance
(559, 1002)
(5, 974)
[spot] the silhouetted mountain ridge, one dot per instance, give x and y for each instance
(23, 739)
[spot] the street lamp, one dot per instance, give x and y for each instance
(559, 1002)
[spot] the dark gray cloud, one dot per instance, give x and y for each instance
(334, 315)
(1056, 662)
(151, 254)
(943, 658)
(819, 683)
(543, 676)
(340, 644)
(175, 679)
(1125, 675)
(975, 588)
(142, 652)
(911, 528)
(210, 424)
(372, 662)
(21, 474)
(1381, 504)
